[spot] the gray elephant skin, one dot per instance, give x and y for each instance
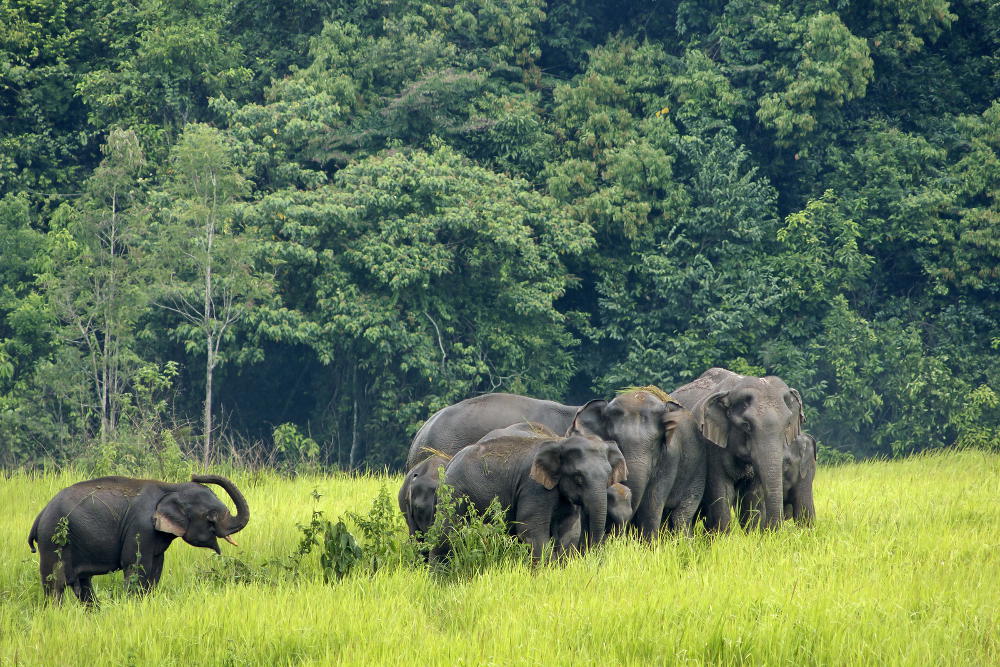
(418, 493)
(665, 452)
(750, 419)
(121, 523)
(619, 508)
(799, 471)
(450, 429)
(663, 449)
(544, 482)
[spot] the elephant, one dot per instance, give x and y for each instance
(544, 482)
(450, 429)
(799, 471)
(418, 494)
(751, 420)
(643, 423)
(619, 508)
(120, 523)
(664, 451)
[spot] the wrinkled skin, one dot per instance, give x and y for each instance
(798, 472)
(120, 523)
(750, 419)
(547, 484)
(619, 508)
(450, 429)
(664, 451)
(418, 494)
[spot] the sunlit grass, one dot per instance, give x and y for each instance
(903, 567)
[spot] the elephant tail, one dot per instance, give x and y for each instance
(33, 535)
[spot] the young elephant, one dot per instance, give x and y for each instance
(799, 471)
(619, 508)
(119, 523)
(543, 481)
(418, 495)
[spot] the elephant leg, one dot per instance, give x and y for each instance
(803, 509)
(750, 501)
(682, 516)
(84, 589)
(53, 572)
(155, 570)
(533, 519)
(648, 516)
(719, 496)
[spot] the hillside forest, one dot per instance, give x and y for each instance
(286, 233)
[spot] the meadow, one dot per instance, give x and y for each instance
(902, 568)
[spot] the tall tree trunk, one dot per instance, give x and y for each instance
(354, 421)
(208, 405)
(209, 350)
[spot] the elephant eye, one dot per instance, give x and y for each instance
(748, 427)
(578, 478)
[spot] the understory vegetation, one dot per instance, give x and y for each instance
(899, 569)
(285, 234)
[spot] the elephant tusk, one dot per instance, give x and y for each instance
(230, 540)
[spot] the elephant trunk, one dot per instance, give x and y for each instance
(237, 522)
(769, 471)
(596, 508)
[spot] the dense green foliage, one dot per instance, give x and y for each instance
(900, 569)
(339, 217)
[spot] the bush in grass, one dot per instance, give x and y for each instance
(465, 542)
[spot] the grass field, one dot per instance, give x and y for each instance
(903, 567)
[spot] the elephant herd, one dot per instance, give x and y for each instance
(644, 459)
(565, 475)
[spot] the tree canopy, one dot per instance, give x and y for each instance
(343, 216)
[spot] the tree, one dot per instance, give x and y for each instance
(93, 278)
(209, 277)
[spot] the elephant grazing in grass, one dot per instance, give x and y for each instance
(120, 523)
(418, 493)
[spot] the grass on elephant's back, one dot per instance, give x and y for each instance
(900, 569)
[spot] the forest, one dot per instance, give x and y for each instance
(286, 233)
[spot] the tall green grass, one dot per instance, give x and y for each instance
(903, 567)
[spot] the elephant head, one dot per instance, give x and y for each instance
(755, 419)
(582, 468)
(642, 424)
(799, 458)
(192, 512)
(418, 495)
(619, 507)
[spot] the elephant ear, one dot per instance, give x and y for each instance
(589, 420)
(794, 402)
(673, 412)
(619, 470)
(170, 517)
(713, 420)
(545, 467)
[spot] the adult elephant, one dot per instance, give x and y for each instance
(664, 450)
(450, 429)
(120, 523)
(751, 419)
(666, 472)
